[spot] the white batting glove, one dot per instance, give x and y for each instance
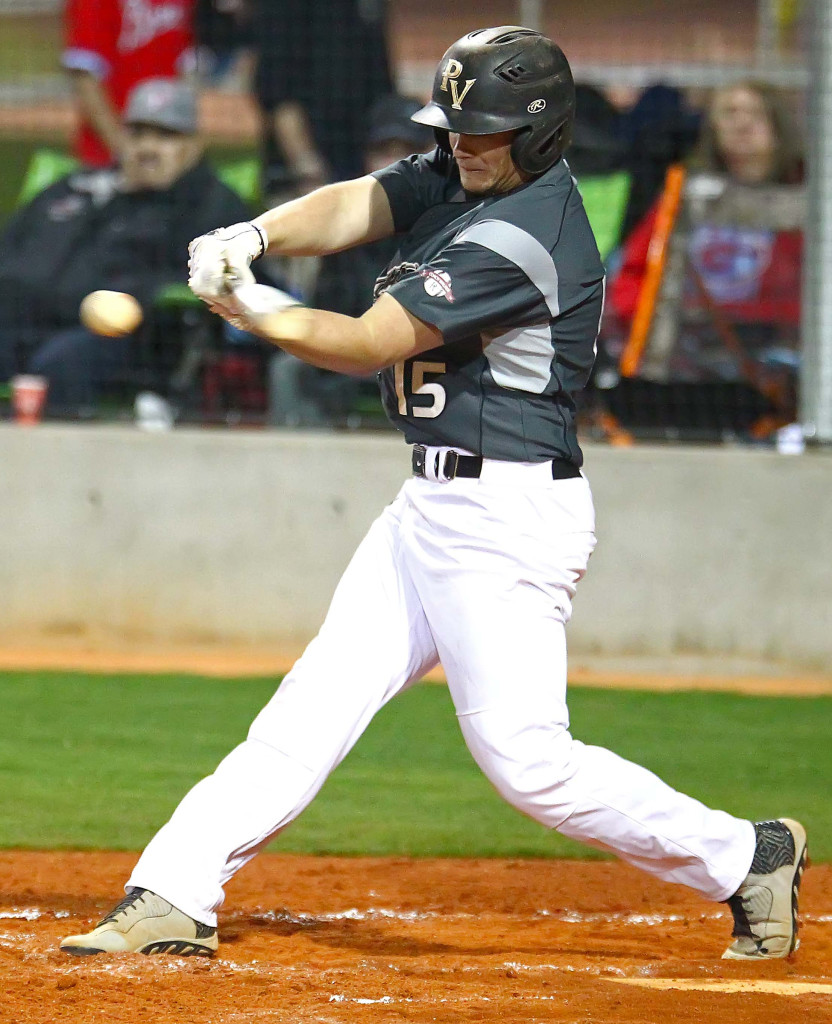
(221, 259)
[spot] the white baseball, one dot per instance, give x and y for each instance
(112, 314)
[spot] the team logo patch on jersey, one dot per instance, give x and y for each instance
(392, 276)
(437, 282)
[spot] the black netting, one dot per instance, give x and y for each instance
(701, 336)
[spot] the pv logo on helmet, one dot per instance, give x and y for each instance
(450, 74)
(536, 106)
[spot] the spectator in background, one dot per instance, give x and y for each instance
(346, 281)
(124, 230)
(301, 395)
(223, 39)
(111, 47)
(730, 292)
(598, 145)
(320, 68)
(659, 129)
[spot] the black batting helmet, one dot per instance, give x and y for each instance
(498, 79)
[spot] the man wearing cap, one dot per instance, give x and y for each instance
(123, 229)
(319, 67)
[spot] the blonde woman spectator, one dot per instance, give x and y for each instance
(734, 256)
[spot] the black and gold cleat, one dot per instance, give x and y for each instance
(145, 923)
(765, 905)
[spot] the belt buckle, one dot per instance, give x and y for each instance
(450, 466)
(419, 454)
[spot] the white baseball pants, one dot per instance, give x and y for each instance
(479, 574)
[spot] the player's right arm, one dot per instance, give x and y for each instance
(330, 219)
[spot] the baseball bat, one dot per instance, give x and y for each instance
(666, 214)
(253, 306)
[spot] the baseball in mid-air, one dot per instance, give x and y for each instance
(112, 314)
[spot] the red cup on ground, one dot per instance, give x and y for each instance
(28, 398)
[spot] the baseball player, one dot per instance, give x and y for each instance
(482, 331)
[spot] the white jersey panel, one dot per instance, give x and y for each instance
(521, 358)
(521, 249)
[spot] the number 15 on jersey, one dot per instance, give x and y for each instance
(418, 385)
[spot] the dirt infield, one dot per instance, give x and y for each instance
(335, 940)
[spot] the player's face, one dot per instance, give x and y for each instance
(485, 164)
(153, 158)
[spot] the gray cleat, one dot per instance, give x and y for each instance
(145, 923)
(765, 905)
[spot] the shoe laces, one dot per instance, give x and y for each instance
(134, 896)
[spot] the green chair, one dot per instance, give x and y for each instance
(605, 200)
(46, 166)
(243, 177)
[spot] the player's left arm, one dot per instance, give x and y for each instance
(385, 334)
(476, 289)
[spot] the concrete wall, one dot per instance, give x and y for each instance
(108, 534)
(710, 551)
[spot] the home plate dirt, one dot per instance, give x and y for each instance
(777, 988)
(332, 940)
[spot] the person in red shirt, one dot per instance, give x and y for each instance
(111, 47)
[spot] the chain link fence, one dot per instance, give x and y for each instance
(701, 148)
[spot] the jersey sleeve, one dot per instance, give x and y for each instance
(91, 31)
(415, 184)
(471, 289)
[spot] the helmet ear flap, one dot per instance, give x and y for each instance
(533, 154)
(519, 145)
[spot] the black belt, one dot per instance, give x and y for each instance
(455, 465)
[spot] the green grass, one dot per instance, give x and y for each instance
(101, 761)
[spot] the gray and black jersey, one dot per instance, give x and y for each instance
(515, 284)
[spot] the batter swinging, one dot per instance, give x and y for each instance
(483, 330)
